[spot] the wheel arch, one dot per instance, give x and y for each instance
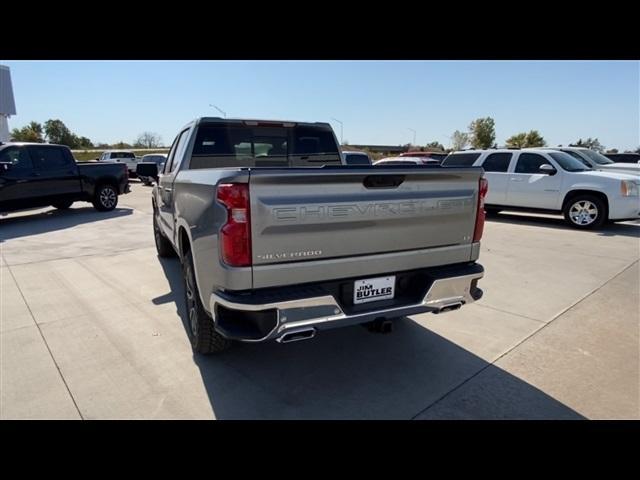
(585, 191)
(112, 181)
(184, 241)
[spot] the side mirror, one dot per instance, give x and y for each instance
(547, 169)
(147, 169)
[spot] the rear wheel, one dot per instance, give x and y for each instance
(105, 198)
(585, 211)
(202, 333)
(62, 205)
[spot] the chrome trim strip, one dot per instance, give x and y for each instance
(443, 292)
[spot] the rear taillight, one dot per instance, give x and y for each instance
(483, 187)
(126, 172)
(235, 234)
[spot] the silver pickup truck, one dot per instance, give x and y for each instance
(279, 240)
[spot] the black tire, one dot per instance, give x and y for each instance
(62, 205)
(202, 333)
(163, 245)
(105, 198)
(585, 212)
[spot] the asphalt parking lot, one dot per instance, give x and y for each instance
(91, 327)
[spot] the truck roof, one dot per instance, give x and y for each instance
(502, 150)
(255, 120)
(20, 144)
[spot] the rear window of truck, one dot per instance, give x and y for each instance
(122, 155)
(220, 146)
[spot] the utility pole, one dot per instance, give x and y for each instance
(414, 136)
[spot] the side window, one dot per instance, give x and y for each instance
(18, 157)
(577, 156)
(176, 152)
(460, 160)
(49, 158)
(172, 151)
(497, 162)
(530, 163)
(313, 141)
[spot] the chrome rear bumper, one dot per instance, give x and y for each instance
(324, 312)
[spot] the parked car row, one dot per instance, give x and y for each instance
(597, 161)
(572, 182)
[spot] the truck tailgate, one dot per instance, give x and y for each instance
(329, 214)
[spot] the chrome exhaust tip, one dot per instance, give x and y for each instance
(449, 307)
(296, 335)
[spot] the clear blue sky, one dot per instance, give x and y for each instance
(378, 101)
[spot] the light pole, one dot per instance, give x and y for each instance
(222, 112)
(341, 139)
(414, 136)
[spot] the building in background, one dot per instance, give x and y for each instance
(7, 102)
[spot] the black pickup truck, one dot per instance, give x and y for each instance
(37, 175)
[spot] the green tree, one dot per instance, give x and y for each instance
(84, 142)
(482, 132)
(591, 143)
(148, 140)
(57, 132)
(525, 140)
(459, 140)
(28, 133)
(518, 140)
(434, 146)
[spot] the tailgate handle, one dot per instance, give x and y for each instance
(383, 181)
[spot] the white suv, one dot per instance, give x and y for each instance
(553, 181)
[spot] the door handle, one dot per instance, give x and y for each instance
(383, 181)
(515, 179)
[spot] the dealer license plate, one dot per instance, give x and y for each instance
(373, 289)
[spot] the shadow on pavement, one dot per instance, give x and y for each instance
(51, 220)
(607, 230)
(350, 373)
